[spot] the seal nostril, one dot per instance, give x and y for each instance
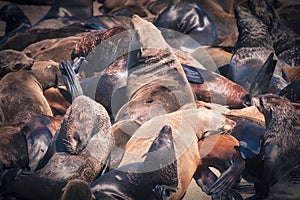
(247, 101)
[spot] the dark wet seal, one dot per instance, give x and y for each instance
(154, 178)
(16, 20)
(24, 144)
(285, 41)
(63, 8)
(253, 48)
(251, 140)
(189, 18)
(281, 146)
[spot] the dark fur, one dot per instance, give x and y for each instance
(188, 18)
(61, 9)
(282, 137)
(292, 91)
(285, 41)
(143, 180)
(16, 20)
(253, 47)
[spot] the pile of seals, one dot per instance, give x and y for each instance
(149, 100)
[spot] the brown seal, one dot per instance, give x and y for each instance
(187, 125)
(21, 93)
(219, 151)
(281, 146)
(11, 61)
(78, 151)
(156, 83)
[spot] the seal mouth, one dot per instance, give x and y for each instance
(257, 102)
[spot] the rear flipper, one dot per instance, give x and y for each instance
(228, 178)
(69, 76)
(162, 192)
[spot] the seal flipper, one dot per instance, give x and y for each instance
(162, 192)
(263, 78)
(192, 74)
(70, 79)
(228, 178)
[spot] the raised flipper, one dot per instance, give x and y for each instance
(228, 178)
(162, 192)
(70, 79)
(262, 80)
(192, 74)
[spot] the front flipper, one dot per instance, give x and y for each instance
(228, 178)
(204, 178)
(162, 192)
(70, 79)
(192, 74)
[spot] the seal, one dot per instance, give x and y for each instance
(192, 20)
(252, 52)
(281, 139)
(29, 86)
(285, 41)
(24, 144)
(78, 151)
(156, 82)
(11, 61)
(77, 189)
(219, 151)
(224, 20)
(63, 8)
(154, 178)
(187, 125)
(212, 87)
(251, 140)
(16, 20)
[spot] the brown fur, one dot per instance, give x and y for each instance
(21, 93)
(219, 151)
(188, 126)
(56, 100)
(11, 60)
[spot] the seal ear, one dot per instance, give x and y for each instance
(262, 80)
